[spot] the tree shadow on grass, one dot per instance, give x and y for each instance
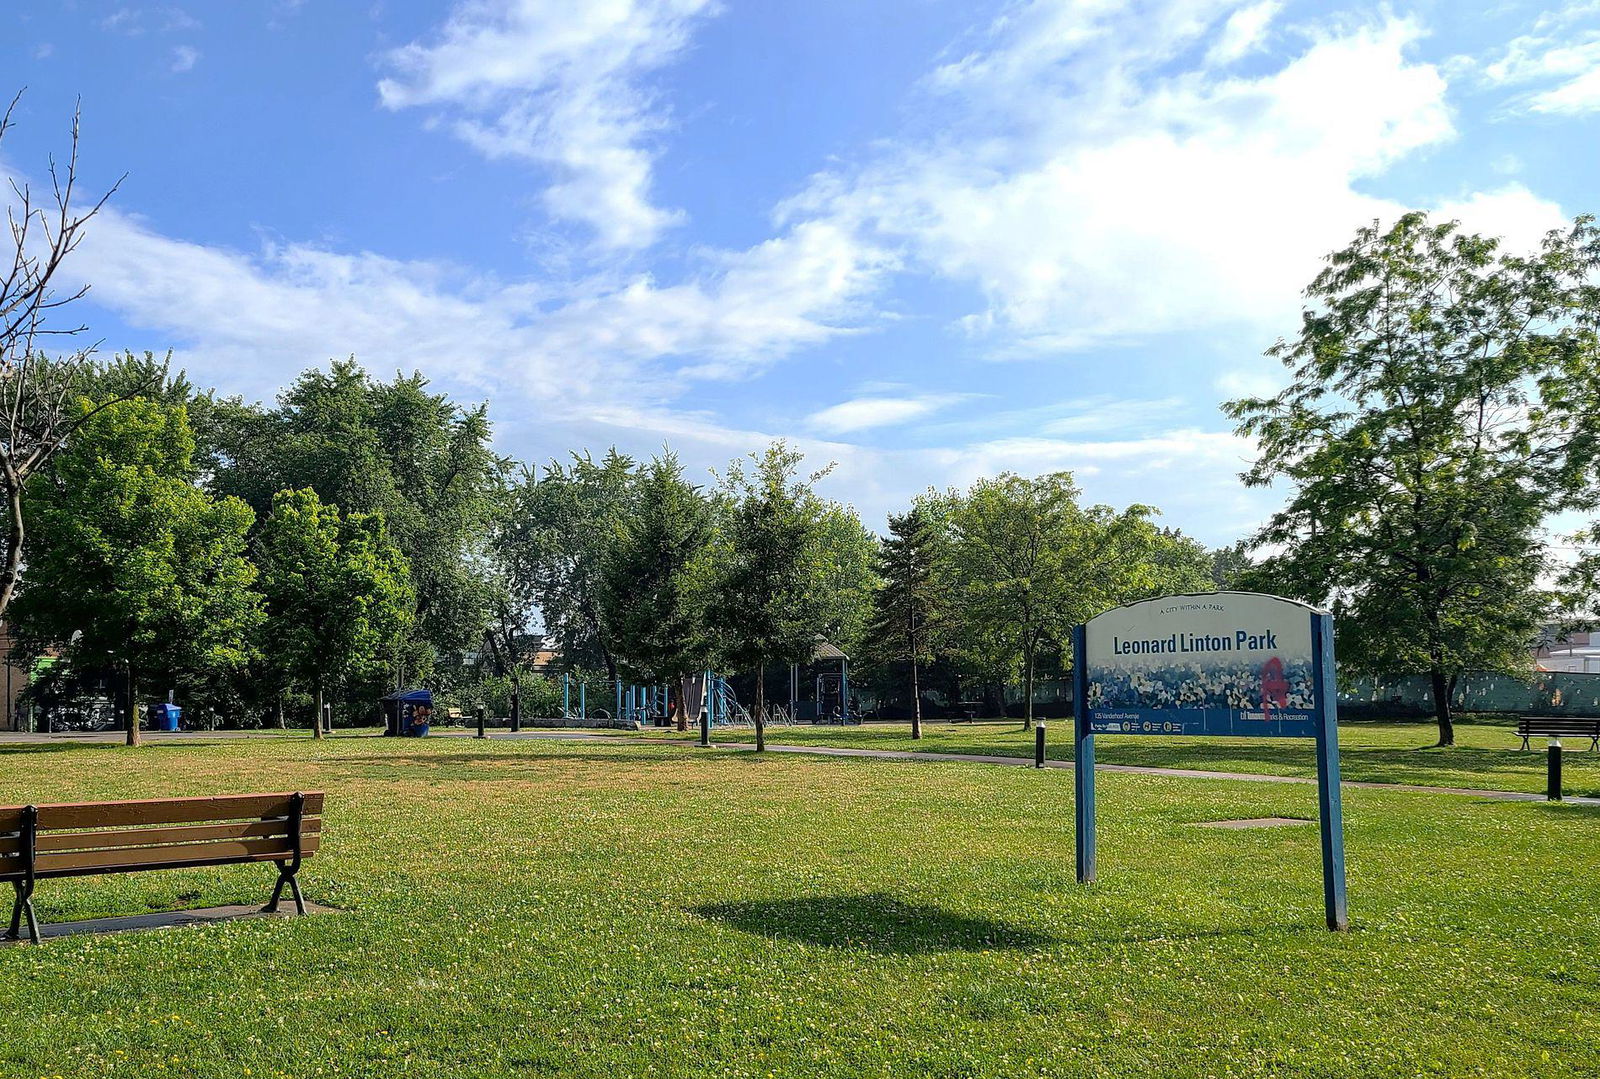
(507, 764)
(22, 748)
(871, 922)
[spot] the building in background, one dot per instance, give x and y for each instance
(1575, 652)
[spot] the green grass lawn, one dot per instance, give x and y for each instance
(1487, 753)
(521, 908)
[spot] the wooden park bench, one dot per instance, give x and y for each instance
(77, 839)
(1559, 727)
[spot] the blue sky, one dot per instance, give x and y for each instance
(924, 239)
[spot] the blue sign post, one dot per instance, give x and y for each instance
(1231, 664)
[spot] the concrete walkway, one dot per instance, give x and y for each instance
(1143, 770)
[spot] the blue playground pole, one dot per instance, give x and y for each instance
(583, 699)
(566, 696)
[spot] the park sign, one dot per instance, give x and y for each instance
(1224, 663)
(1227, 664)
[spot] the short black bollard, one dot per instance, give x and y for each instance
(480, 723)
(327, 718)
(1552, 788)
(705, 729)
(1038, 746)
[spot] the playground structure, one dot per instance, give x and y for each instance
(831, 700)
(721, 704)
(632, 703)
(643, 704)
(712, 696)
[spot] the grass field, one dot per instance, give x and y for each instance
(553, 908)
(1487, 753)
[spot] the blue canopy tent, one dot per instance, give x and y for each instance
(408, 713)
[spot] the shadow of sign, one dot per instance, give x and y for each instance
(871, 922)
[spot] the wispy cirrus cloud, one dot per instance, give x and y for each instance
(865, 413)
(562, 85)
(1555, 67)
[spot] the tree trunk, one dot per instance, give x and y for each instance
(14, 538)
(761, 709)
(916, 702)
(680, 707)
(132, 686)
(1441, 707)
(283, 724)
(316, 717)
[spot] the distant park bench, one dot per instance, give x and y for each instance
(1559, 727)
(76, 839)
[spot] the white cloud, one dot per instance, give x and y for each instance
(865, 413)
(1115, 198)
(1243, 33)
(1515, 214)
(1556, 65)
(134, 21)
(184, 57)
(561, 85)
(257, 318)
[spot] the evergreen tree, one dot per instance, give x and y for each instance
(652, 605)
(907, 609)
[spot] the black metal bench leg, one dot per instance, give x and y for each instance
(33, 921)
(292, 880)
(277, 893)
(22, 908)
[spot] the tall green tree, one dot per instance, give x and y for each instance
(568, 520)
(397, 449)
(766, 604)
(336, 591)
(132, 564)
(844, 573)
(1440, 406)
(908, 609)
(649, 590)
(1025, 562)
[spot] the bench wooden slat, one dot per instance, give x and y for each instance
(163, 811)
(130, 858)
(98, 839)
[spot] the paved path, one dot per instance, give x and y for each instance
(165, 737)
(1143, 770)
(580, 734)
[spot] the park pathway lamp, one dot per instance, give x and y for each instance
(1553, 771)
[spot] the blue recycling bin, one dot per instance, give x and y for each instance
(164, 717)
